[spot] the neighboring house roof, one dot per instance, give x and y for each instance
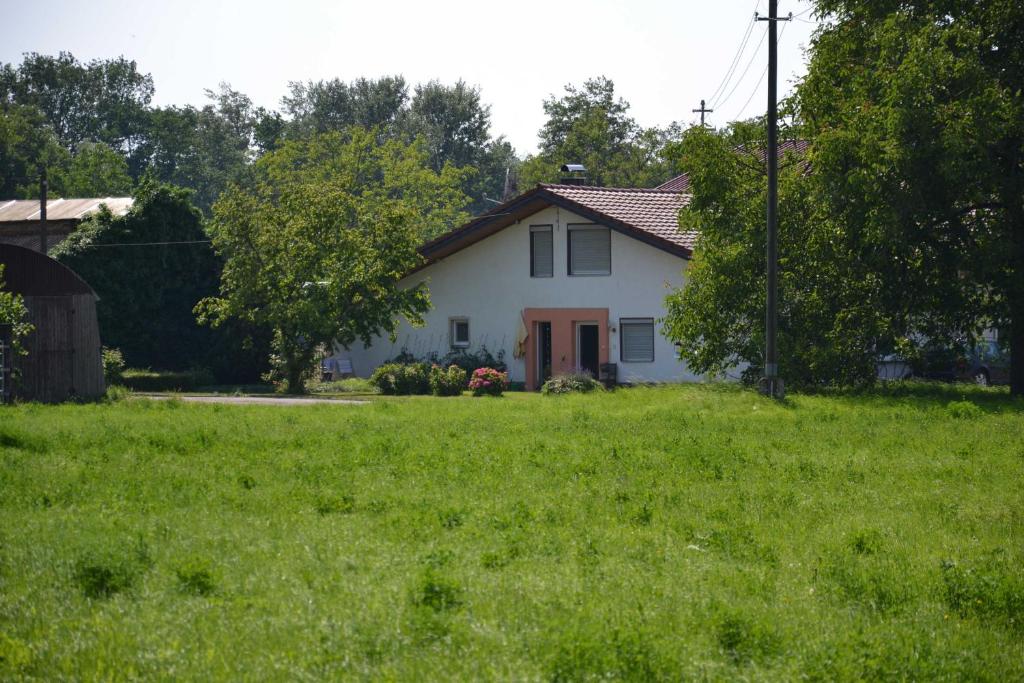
(17, 210)
(19, 218)
(681, 183)
(651, 216)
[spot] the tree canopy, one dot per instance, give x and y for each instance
(916, 110)
(315, 249)
(150, 268)
(589, 125)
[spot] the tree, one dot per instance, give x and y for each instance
(26, 142)
(917, 112)
(834, 313)
(101, 100)
(324, 106)
(201, 149)
(150, 268)
(14, 313)
(316, 249)
(95, 170)
(589, 125)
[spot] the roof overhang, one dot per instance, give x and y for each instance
(525, 205)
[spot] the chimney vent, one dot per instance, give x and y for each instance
(574, 174)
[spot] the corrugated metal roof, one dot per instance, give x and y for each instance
(15, 210)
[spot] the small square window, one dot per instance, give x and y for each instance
(636, 340)
(460, 333)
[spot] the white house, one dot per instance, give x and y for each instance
(560, 277)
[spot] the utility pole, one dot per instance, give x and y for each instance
(702, 111)
(771, 384)
(43, 187)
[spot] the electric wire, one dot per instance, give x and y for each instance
(736, 58)
(739, 82)
(763, 74)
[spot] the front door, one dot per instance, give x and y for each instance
(588, 347)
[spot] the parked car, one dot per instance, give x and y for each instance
(984, 364)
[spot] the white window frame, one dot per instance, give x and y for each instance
(623, 322)
(592, 227)
(453, 337)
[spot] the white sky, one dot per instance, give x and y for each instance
(663, 55)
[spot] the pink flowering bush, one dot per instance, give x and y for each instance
(488, 382)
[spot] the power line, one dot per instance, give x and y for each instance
(736, 58)
(763, 74)
(753, 58)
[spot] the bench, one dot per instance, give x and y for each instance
(336, 368)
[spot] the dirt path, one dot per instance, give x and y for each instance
(255, 400)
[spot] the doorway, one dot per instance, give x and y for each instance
(543, 353)
(588, 347)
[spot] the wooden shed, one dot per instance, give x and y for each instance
(63, 360)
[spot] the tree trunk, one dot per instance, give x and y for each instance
(294, 370)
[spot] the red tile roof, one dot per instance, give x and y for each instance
(655, 212)
(649, 215)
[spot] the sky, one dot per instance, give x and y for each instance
(663, 55)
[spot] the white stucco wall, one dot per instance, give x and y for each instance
(489, 283)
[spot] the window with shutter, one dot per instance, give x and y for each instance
(590, 250)
(636, 340)
(541, 251)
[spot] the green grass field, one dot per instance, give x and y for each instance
(650, 533)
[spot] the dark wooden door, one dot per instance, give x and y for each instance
(588, 353)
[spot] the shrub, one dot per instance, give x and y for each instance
(470, 361)
(963, 410)
(488, 382)
(113, 366)
(396, 379)
(575, 382)
(448, 382)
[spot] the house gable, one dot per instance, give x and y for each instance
(650, 216)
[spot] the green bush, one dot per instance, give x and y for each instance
(577, 382)
(396, 379)
(964, 410)
(113, 366)
(450, 382)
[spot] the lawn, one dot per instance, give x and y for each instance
(649, 533)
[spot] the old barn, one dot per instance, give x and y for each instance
(63, 360)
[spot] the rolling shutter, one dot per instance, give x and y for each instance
(590, 251)
(541, 248)
(636, 340)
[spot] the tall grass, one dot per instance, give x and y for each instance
(643, 534)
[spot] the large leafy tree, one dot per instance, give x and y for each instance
(316, 248)
(95, 170)
(590, 125)
(833, 315)
(917, 111)
(324, 106)
(100, 100)
(26, 143)
(203, 149)
(150, 268)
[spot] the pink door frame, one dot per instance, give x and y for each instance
(563, 337)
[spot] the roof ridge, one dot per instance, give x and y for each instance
(595, 188)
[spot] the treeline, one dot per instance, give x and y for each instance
(93, 126)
